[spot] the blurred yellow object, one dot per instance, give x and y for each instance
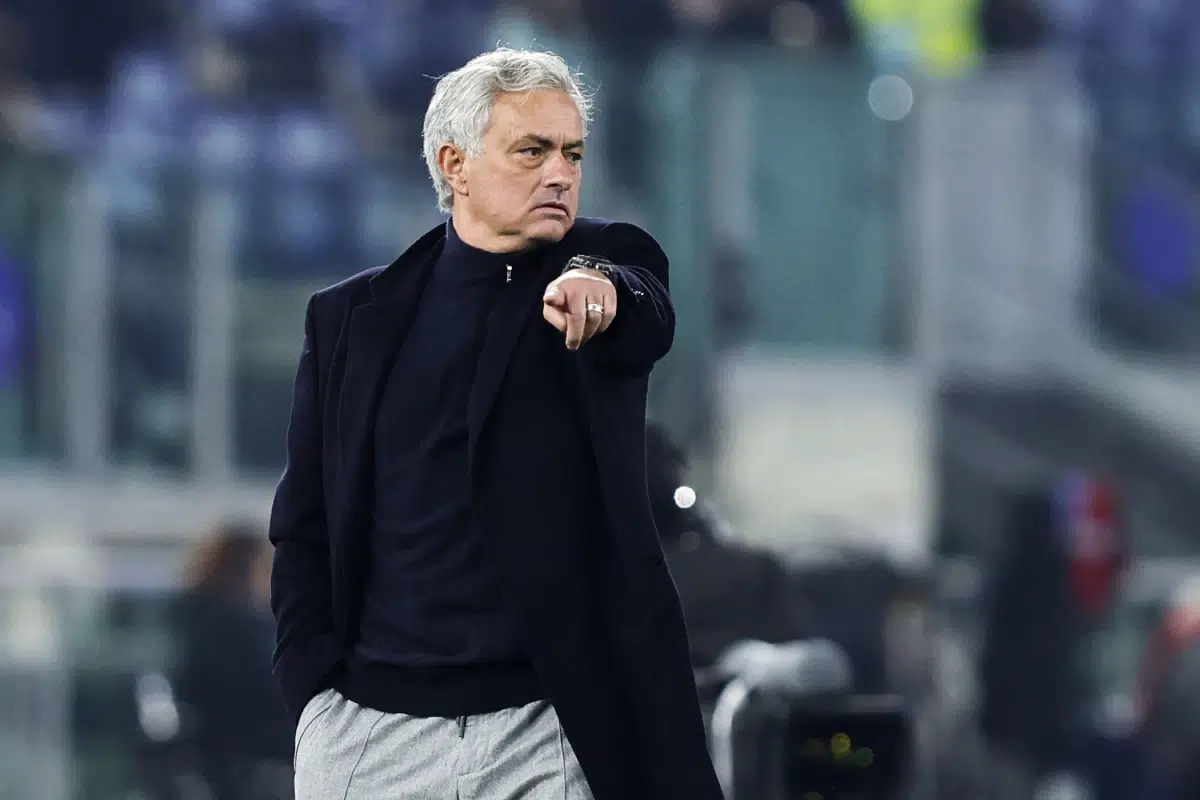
(940, 36)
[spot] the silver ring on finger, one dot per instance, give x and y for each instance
(595, 308)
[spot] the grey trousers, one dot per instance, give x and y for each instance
(347, 752)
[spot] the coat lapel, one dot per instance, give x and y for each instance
(376, 330)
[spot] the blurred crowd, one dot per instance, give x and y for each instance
(305, 116)
(159, 74)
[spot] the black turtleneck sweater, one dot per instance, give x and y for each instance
(435, 636)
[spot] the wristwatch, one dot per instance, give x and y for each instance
(596, 263)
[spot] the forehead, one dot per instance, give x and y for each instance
(546, 113)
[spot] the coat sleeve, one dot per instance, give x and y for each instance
(644, 327)
(307, 649)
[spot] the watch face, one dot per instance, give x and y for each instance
(589, 262)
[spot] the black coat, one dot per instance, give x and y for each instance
(557, 455)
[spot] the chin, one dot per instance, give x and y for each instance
(548, 230)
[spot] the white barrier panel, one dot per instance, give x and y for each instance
(35, 695)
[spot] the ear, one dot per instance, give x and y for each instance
(453, 164)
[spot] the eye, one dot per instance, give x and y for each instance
(532, 152)
(575, 157)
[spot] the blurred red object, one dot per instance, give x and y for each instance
(1097, 550)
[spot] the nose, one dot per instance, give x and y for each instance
(560, 173)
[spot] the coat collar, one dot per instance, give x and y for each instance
(398, 277)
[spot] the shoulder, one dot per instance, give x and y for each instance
(345, 294)
(622, 242)
(353, 286)
(588, 230)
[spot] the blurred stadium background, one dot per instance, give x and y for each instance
(928, 256)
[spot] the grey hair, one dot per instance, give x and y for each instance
(461, 109)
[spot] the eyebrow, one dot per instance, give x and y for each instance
(548, 143)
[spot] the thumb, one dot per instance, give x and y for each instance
(553, 297)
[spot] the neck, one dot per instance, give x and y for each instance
(478, 235)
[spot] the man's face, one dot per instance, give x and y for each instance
(524, 187)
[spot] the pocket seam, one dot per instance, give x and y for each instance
(308, 725)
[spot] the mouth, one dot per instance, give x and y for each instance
(556, 207)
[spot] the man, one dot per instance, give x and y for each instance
(222, 636)
(470, 594)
